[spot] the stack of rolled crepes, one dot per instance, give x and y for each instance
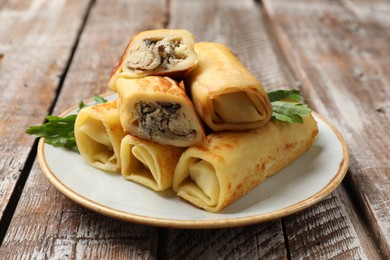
(153, 133)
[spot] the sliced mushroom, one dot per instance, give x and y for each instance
(144, 59)
(152, 54)
(178, 128)
(162, 119)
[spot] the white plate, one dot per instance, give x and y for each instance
(303, 183)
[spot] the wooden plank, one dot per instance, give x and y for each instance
(251, 242)
(237, 24)
(48, 225)
(328, 230)
(339, 51)
(35, 44)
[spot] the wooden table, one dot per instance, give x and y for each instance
(55, 53)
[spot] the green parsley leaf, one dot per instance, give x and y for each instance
(59, 131)
(291, 112)
(97, 99)
(280, 94)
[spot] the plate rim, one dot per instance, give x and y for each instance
(204, 223)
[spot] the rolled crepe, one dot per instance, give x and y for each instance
(226, 95)
(164, 52)
(98, 134)
(231, 164)
(148, 163)
(157, 109)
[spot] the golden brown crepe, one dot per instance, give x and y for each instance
(226, 95)
(213, 175)
(165, 52)
(157, 109)
(148, 163)
(98, 133)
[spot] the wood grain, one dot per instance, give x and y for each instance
(45, 223)
(342, 56)
(329, 230)
(250, 242)
(238, 24)
(36, 42)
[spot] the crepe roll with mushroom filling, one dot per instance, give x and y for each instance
(213, 175)
(98, 134)
(148, 163)
(165, 52)
(157, 109)
(226, 95)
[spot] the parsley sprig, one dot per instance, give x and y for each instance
(286, 105)
(59, 131)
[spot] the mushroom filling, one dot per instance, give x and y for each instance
(162, 119)
(154, 53)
